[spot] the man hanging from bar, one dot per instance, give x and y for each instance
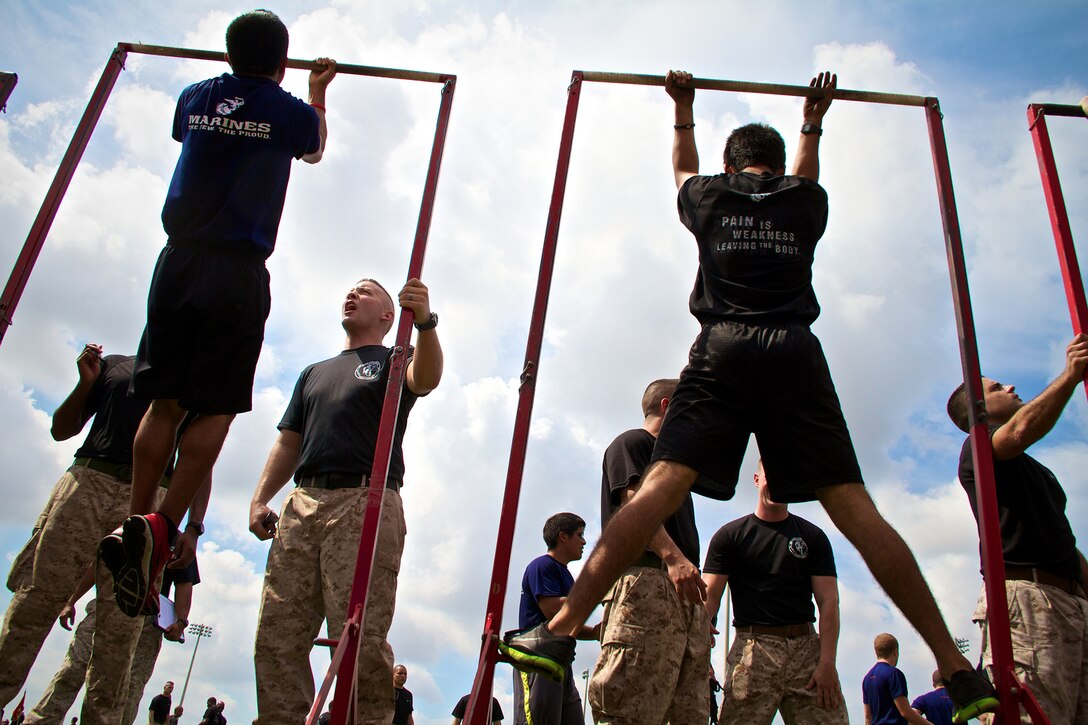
(1045, 573)
(327, 445)
(756, 368)
(209, 295)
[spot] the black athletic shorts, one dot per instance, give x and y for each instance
(770, 380)
(205, 326)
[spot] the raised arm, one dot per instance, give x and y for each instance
(825, 590)
(807, 161)
(425, 369)
(69, 417)
(1036, 418)
(278, 469)
(685, 157)
(319, 81)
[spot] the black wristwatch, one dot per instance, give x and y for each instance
(198, 526)
(430, 324)
(808, 128)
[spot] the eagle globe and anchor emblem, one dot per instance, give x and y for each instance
(798, 547)
(368, 370)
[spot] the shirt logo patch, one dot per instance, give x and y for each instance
(798, 547)
(229, 106)
(368, 370)
(758, 197)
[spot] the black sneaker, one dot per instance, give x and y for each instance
(972, 694)
(539, 651)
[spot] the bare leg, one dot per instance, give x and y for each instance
(893, 566)
(626, 536)
(151, 452)
(197, 453)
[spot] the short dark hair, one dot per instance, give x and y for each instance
(257, 43)
(564, 523)
(755, 144)
(958, 409)
(657, 391)
(885, 645)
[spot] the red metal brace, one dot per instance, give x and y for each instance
(479, 701)
(48, 211)
(1010, 691)
(345, 657)
(1055, 205)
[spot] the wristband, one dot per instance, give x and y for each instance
(318, 105)
(682, 126)
(808, 128)
(430, 324)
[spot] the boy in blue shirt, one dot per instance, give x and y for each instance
(884, 689)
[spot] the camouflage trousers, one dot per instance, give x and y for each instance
(1049, 647)
(308, 579)
(113, 662)
(655, 654)
(66, 684)
(767, 673)
(85, 506)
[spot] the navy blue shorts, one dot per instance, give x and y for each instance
(770, 380)
(205, 326)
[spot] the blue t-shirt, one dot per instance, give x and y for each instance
(882, 684)
(238, 136)
(936, 706)
(544, 577)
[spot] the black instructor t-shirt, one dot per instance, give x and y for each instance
(116, 415)
(624, 462)
(1035, 531)
(757, 235)
(337, 407)
(770, 565)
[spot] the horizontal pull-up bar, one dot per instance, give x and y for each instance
(342, 68)
(777, 89)
(1057, 109)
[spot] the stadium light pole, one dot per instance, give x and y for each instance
(200, 630)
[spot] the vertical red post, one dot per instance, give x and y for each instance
(343, 704)
(479, 703)
(1059, 219)
(993, 563)
(48, 211)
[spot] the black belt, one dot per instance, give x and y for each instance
(789, 631)
(343, 480)
(1041, 576)
(120, 471)
(651, 560)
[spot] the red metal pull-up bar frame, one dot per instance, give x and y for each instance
(1011, 692)
(345, 655)
(1055, 204)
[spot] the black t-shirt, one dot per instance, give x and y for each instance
(770, 565)
(1031, 511)
(160, 708)
(116, 415)
(462, 705)
(403, 707)
(337, 407)
(624, 462)
(757, 235)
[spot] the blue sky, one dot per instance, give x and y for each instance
(618, 315)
